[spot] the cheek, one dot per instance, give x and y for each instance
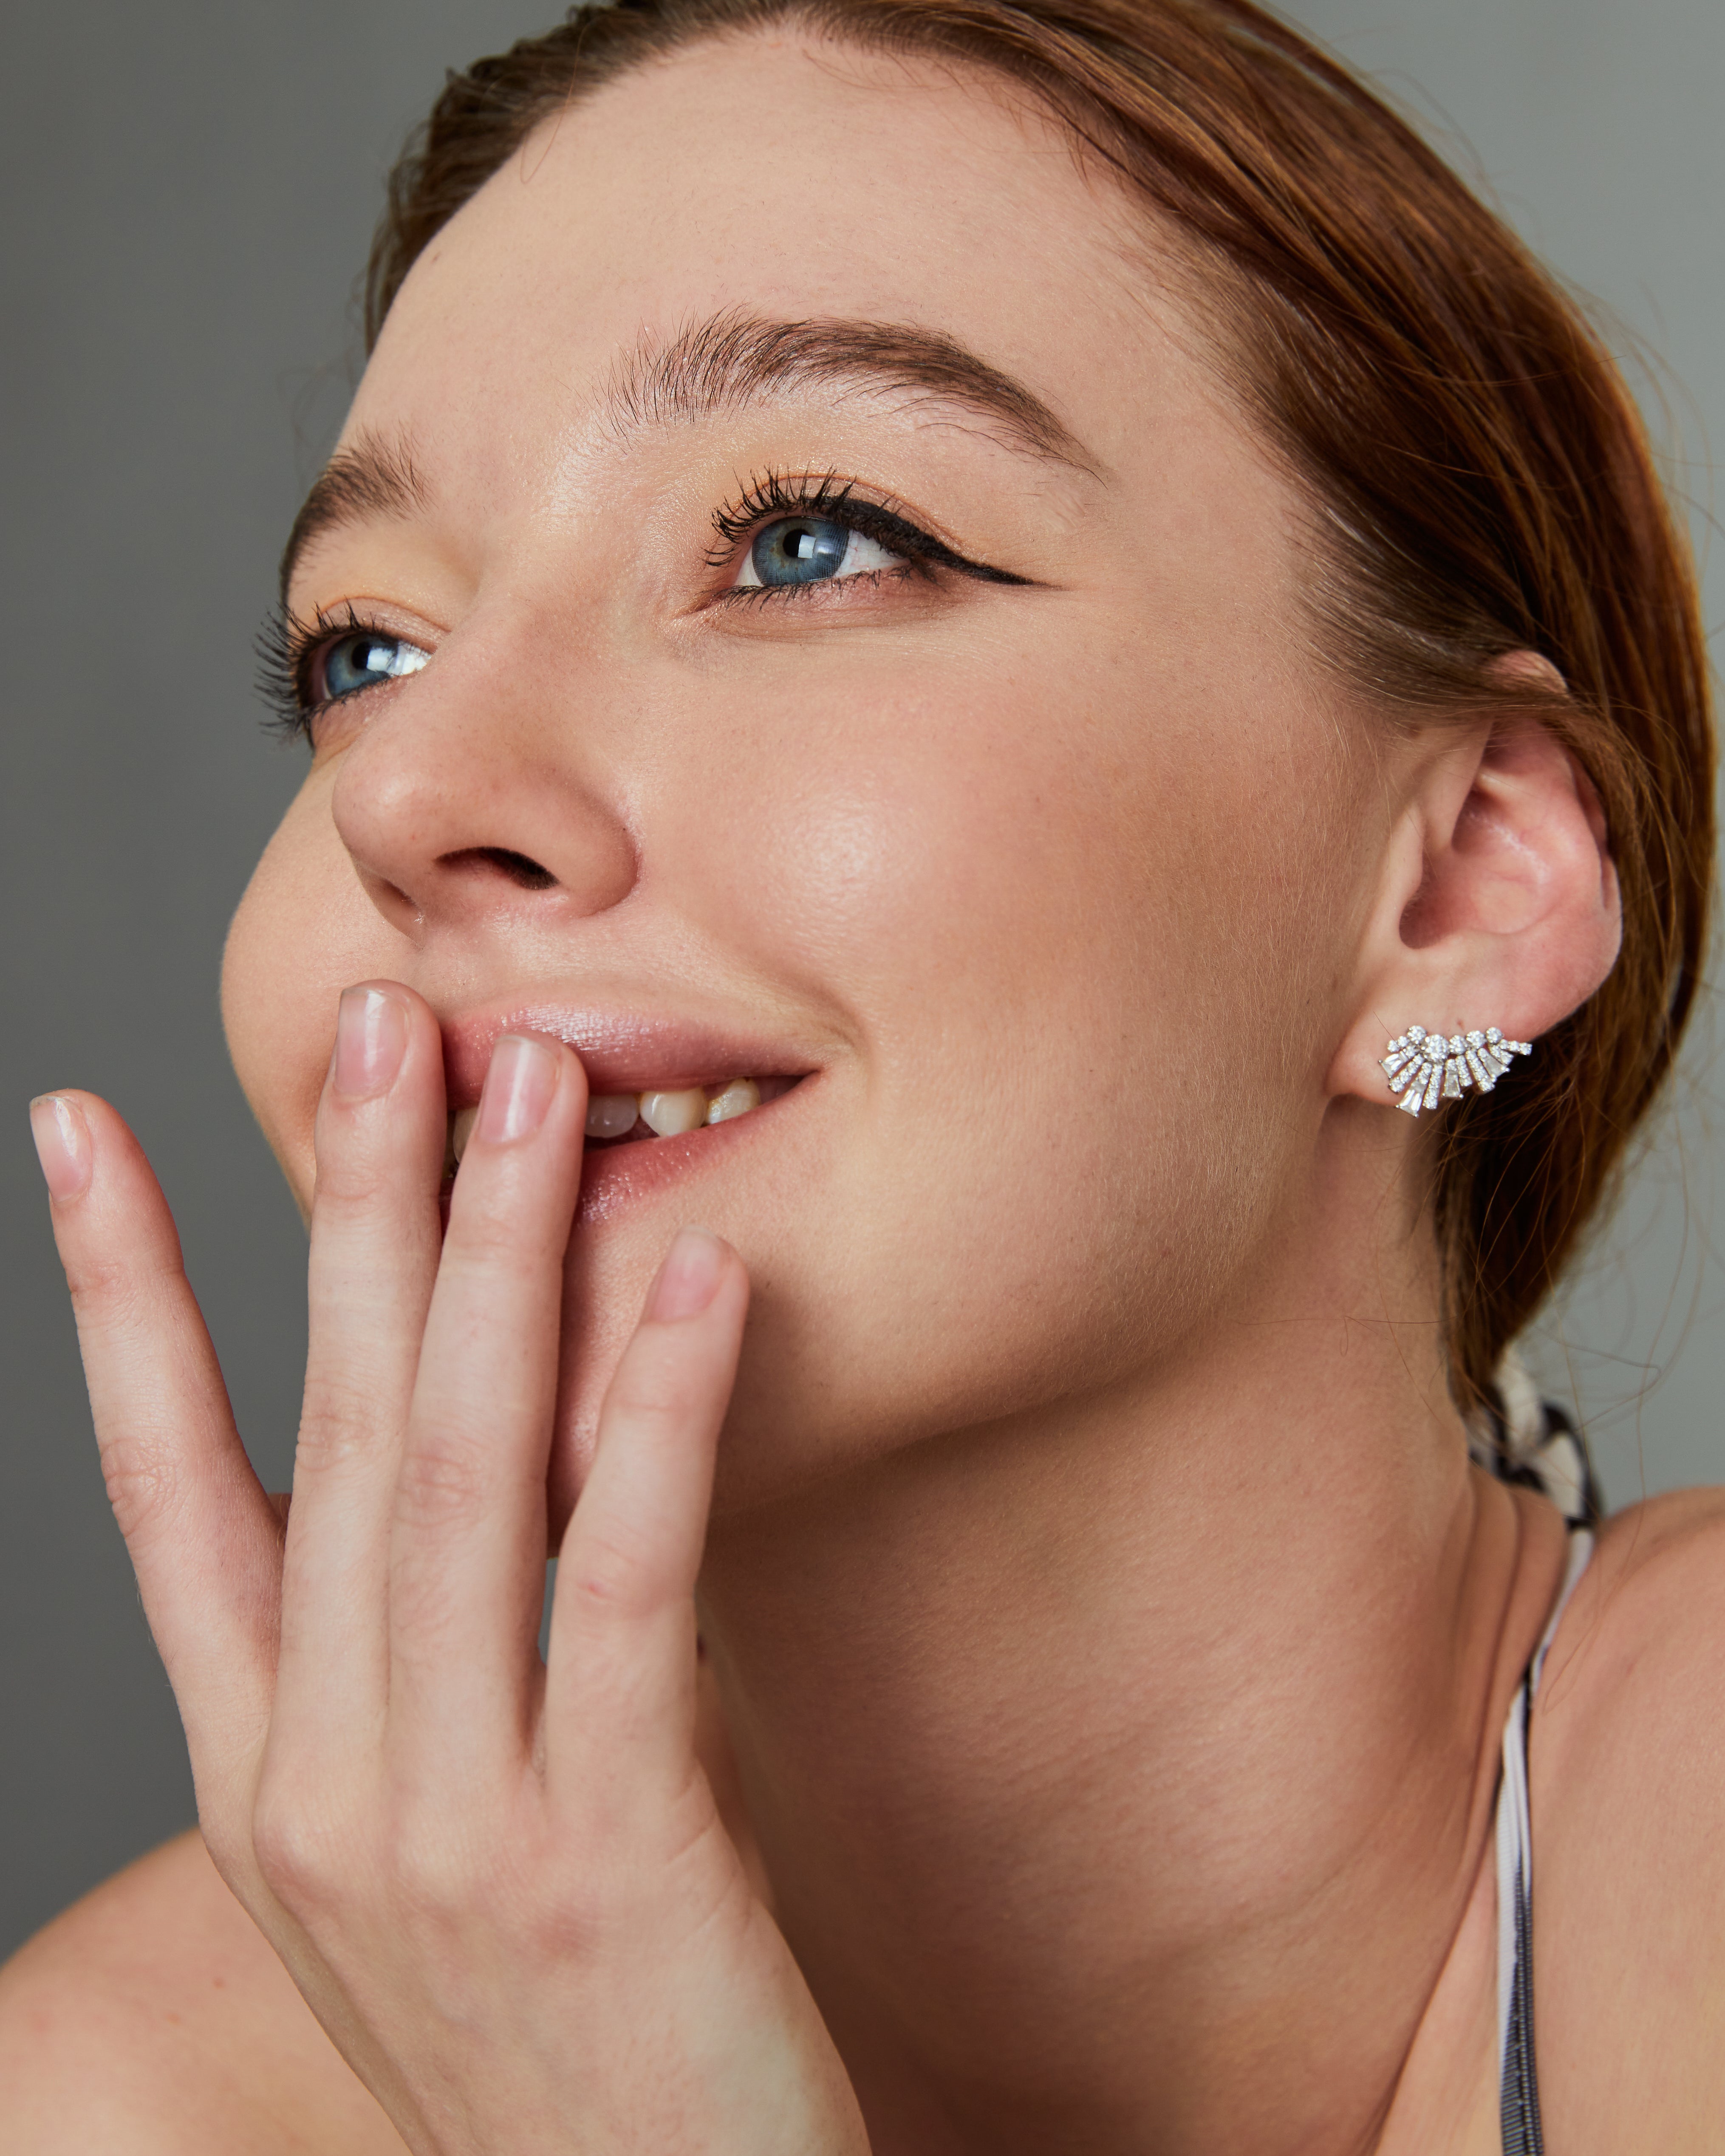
(303, 930)
(1079, 842)
(1061, 925)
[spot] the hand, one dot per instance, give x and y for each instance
(502, 1886)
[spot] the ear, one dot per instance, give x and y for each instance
(1498, 903)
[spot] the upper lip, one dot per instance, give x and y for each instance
(622, 1051)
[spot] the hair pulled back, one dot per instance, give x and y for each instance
(1479, 480)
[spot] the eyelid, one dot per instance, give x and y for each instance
(777, 495)
(289, 648)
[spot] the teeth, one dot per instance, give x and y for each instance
(611, 1115)
(735, 1099)
(669, 1114)
(666, 1115)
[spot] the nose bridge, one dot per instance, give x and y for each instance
(476, 789)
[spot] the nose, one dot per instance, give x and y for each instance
(457, 807)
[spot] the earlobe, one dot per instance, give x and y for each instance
(1498, 907)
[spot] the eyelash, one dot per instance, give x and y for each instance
(289, 647)
(775, 495)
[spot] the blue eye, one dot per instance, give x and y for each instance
(807, 550)
(368, 656)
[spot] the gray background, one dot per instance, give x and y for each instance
(189, 190)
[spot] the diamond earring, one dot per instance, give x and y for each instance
(1424, 1068)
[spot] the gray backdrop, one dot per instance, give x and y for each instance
(189, 188)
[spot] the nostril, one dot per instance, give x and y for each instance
(526, 874)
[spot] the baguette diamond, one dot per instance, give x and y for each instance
(1425, 1069)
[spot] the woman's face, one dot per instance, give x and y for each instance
(1015, 866)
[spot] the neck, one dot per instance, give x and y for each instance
(1123, 1770)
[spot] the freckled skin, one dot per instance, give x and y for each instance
(1031, 869)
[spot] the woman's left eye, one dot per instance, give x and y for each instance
(808, 550)
(367, 656)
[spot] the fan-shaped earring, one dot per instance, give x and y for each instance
(1426, 1068)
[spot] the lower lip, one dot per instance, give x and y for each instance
(615, 1177)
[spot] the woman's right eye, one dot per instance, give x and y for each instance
(362, 660)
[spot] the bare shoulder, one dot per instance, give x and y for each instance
(1629, 1734)
(152, 2020)
(1627, 1766)
(1647, 1624)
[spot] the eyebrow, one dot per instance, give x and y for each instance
(716, 367)
(711, 369)
(372, 477)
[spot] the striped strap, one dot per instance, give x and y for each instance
(1518, 2100)
(1526, 1440)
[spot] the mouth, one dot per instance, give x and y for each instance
(667, 1093)
(615, 1120)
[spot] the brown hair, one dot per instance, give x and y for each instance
(1480, 473)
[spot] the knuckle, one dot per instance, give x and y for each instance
(431, 1873)
(493, 1237)
(443, 1482)
(587, 1914)
(353, 1169)
(106, 1290)
(451, 1863)
(654, 1394)
(612, 1573)
(296, 1847)
(338, 1423)
(140, 1475)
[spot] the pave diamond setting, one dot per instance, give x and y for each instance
(1425, 1069)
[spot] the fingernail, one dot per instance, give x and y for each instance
(62, 1145)
(688, 1278)
(519, 1086)
(371, 1039)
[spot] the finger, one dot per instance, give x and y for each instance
(205, 1544)
(467, 1564)
(380, 1137)
(620, 1691)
